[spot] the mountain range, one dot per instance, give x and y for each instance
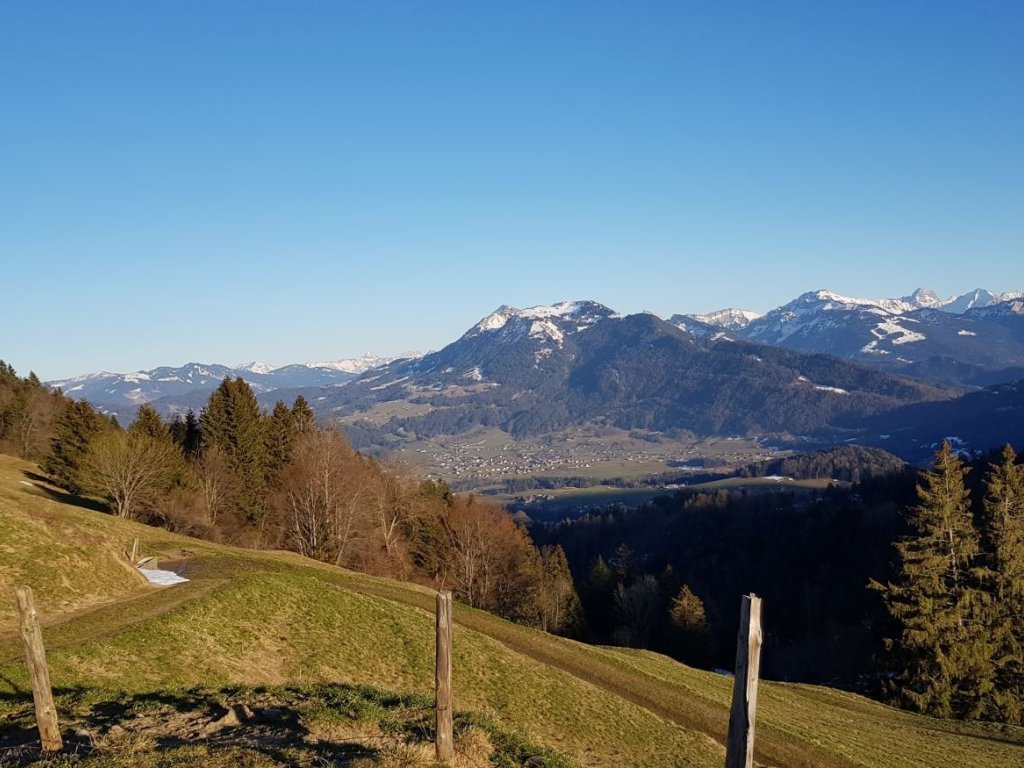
(820, 362)
(971, 340)
(543, 369)
(189, 384)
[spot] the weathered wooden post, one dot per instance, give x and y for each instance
(739, 748)
(443, 678)
(42, 694)
(135, 550)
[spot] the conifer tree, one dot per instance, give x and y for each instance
(191, 445)
(148, 422)
(281, 434)
(1004, 546)
(691, 623)
(943, 652)
(76, 427)
(232, 421)
(558, 603)
(302, 416)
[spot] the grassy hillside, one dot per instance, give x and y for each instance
(276, 625)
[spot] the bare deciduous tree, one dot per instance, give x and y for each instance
(129, 469)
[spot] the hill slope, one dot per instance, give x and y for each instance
(261, 618)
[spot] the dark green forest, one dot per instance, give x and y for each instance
(905, 586)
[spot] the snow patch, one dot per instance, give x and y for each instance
(389, 384)
(836, 390)
(540, 329)
(895, 333)
(163, 578)
(257, 367)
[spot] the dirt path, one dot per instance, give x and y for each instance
(107, 619)
(685, 708)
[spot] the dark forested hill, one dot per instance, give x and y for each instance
(977, 421)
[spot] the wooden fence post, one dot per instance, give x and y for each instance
(135, 550)
(42, 694)
(443, 678)
(739, 748)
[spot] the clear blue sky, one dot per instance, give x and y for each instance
(226, 181)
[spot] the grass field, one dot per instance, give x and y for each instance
(349, 659)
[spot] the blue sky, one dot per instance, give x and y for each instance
(291, 181)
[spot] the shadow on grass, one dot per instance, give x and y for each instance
(43, 487)
(266, 722)
(325, 724)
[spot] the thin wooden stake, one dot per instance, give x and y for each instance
(135, 550)
(443, 678)
(35, 653)
(739, 748)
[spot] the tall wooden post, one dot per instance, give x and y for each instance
(739, 749)
(135, 551)
(42, 694)
(443, 678)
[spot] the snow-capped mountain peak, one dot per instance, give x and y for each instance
(257, 367)
(730, 319)
(357, 365)
(545, 320)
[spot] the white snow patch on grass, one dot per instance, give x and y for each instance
(163, 578)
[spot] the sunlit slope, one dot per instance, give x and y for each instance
(250, 617)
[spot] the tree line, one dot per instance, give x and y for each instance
(957, 599)
(237, 474)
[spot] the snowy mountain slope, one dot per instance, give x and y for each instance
(120, 392)
(728, 319)
(966, 340)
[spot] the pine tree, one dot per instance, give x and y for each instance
(148, 422)
(558, 603)
(691, 624)
(76, 427)
(302, 415)
(1004, 546)
(232, 421)
(281, 433)
(191, 445)
(943, 652)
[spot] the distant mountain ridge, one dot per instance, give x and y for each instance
(974, 339)
(121, 393)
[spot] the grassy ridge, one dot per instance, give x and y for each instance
(256, 618)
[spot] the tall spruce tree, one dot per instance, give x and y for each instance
(281, 433)
(233, 423)
(302, 415)
(148, 422)
(1003, 539)
(943, 651)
